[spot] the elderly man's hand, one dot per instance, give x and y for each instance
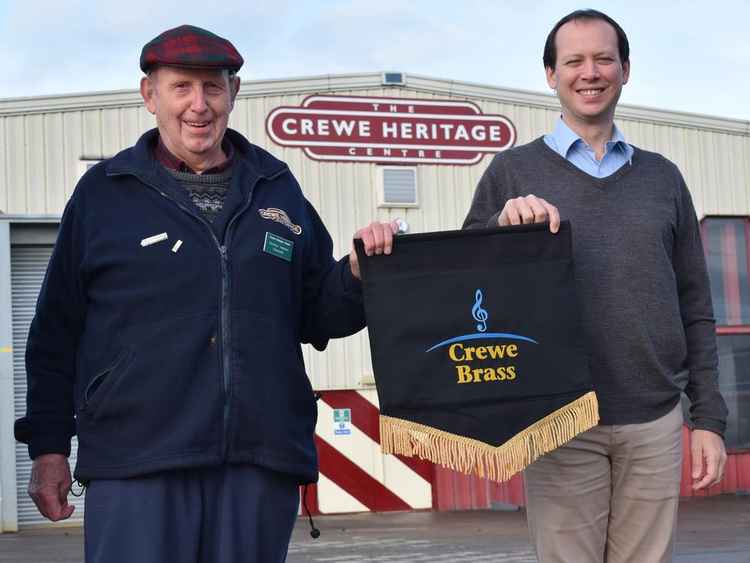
(708, 458)
(377, 238)
(529, 209)
(49, 486)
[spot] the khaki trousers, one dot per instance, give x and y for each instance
(609, 495)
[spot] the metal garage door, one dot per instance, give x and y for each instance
(27, 265)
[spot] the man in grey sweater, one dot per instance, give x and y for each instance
(611, 494)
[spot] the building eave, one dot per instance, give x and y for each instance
(368, 81)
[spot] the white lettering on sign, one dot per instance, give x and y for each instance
(286, 126)
(353, 128)
(343, 127)
(390, 130)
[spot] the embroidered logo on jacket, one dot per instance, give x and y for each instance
(280, 216)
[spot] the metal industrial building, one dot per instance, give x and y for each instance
(47, 143)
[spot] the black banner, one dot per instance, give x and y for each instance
(476, 346)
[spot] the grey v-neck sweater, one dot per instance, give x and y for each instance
(641, 277)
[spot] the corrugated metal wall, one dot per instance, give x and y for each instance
(40, 152)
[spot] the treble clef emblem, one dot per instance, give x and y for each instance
(478, 312)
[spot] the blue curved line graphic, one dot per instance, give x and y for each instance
(477, 336)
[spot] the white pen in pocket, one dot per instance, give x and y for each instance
(154, 239)
(177, 246)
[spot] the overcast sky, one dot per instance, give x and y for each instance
(690, 55)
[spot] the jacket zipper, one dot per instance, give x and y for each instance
(226, 360)
(224, 299)
(226, 329)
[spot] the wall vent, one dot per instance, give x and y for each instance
(399, 186)
(394, 79)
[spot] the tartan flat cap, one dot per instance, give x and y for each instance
(190, 46)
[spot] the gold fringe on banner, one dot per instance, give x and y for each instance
(499, 463)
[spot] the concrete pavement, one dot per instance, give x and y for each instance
(711, 530)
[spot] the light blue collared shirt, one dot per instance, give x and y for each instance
(569, 145)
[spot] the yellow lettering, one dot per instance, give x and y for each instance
(469, 351)
(452, 352)
(489, 374)
(477, 375)
(497, 352)
(511, 372)
(481, 353)
(464, 374)
(502, 350)
(501, 374)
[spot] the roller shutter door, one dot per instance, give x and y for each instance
(28, 264)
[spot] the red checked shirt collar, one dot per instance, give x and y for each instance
(168, 160)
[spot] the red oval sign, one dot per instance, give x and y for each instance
(390, 130)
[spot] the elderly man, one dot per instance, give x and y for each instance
(611, 493)
(187, 271)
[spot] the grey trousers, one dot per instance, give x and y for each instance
(229, 514)
(609, 495)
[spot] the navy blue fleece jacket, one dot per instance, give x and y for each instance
(161, 357)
